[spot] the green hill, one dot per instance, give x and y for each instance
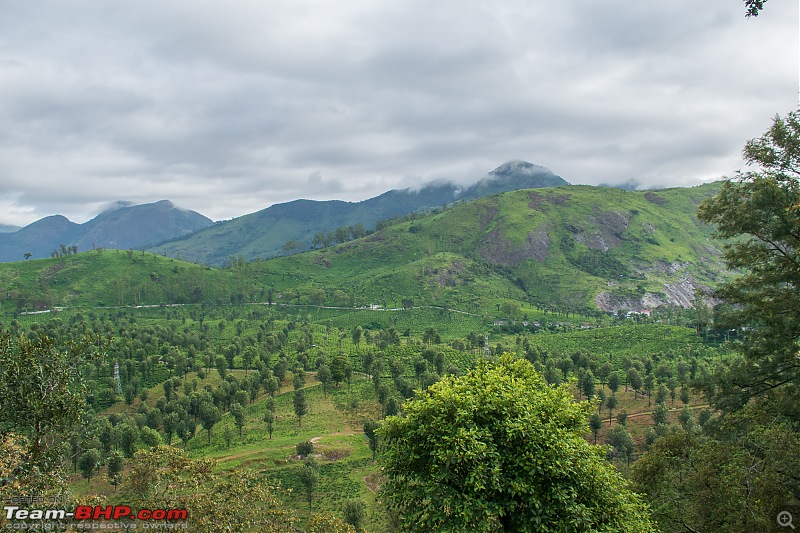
(263, 234)
(106, 278)
(568, 248)
(573, 248)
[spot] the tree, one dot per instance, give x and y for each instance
(635, 381)
(611, 403)
(209, 415)
(237, 411)
(340, 366)
(613, 382)
(587, 384)
(370, 427)
(499, 450)
(42, 396)
(271, 386)
(685, 396)
(760, 212)
(431, 336)
(595, 423)
(305, 448)
(88, 463)
(738, 482)
(660, 414)
(299, 379)
(300, 406)
(171, 424)
(621, 443)
(150, 437)
(324, 376)
(165, 478)
(128, 437)
(357, 334)
(661, 394)
(116, 462)
(222, 365)
(354, 513)
(309, 476)
(269, 419)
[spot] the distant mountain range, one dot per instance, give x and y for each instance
(163, 228)
(570, 248)
(262, 234)
(122, 226)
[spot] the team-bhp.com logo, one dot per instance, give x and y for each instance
(118, 517)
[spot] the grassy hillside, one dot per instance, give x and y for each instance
(108, 278)
(571, 249)
(263, 234)
(576, 248)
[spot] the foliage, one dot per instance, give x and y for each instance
(116, 463)
(737, 478)
(308, 474)
(305, 448)
(327, 523)
(88, 462)
(166, 478)
(753, 7)
(41, 397)
(370, 430)
(762, 209)
(498, 449)
(300, 405)
(354, 513)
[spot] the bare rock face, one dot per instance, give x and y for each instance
(604, 232)
(679, 293)
(500, 251)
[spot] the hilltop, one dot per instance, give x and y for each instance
(578, 248)
(123, 226)
(263, 234)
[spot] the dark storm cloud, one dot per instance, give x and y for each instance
(228, 107)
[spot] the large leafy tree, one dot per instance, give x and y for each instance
(500, 450)
(760, 211)
(42, 396)
(742, 470)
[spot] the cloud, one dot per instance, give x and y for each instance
(226, 108)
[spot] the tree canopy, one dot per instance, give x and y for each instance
(760, 211)
(500, 450)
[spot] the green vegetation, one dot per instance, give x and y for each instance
(286, 384)
(499, 450)
(516, 255)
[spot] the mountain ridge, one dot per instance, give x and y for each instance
(261, 235)
(119, 226)
(573, 249)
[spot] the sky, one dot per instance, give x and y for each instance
(228, 107)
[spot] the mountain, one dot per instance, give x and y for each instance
(570, 248)
(579, 248)
(8, 228)
(123, 226)
(263, 234)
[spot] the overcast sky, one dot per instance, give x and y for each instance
(229, 107)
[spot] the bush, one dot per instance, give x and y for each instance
(305, 448)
